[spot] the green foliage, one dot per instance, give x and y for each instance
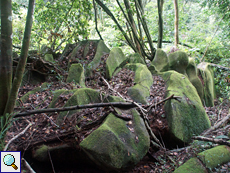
(64, 20)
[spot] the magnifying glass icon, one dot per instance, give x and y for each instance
(9, 160)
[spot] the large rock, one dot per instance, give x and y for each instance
(207, 75)
(76, 74)
(135, 58)
(115, 60)
(178, 61)
(160, 61)
(118, 144)
(191, 71)
(101, 50)
(186, 117)
(143, 79)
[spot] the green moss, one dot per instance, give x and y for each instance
(187, 116)
(193, 165)
(136, 58)
(76, 74)
(49, 58)
(115, 59)
(208, 80)
(114, 146)
(178, 61)
(160, 61)
(41, 154)
(215, 156)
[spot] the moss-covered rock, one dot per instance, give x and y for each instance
(161, 61)
(143, 79)
(193, 165)
(207, 75)
(191, 71)
(135, 58)
(178, 61)
(85, 96)
(215, 156)
(49, 58)
(115, 60)
(76, 74)
(101, 50)
(57, 94)
(118, 144)
(185, 117)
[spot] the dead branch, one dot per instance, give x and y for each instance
(217, 141)
(28, 166)
(217, 125)
(220, 67)
(123, 105)
(21, 133)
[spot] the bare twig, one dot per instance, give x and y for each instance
(217, 125)
(51, 161)
(217, 141)
(21, 133)
(28, 166)
(76, 107)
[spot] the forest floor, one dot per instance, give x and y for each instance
(45, 129)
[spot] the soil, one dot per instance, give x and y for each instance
(44, 129)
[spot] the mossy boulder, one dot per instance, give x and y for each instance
(178, 61)
(59, 93)
(143, 79)
(160, 61)
(84, 96)
(215, 156)
(118, 144)
(76, 74)
(193, 165)
(115, 60)
(49, 58)
(135, 58)
(206, 73)
(191, 71)
(186, 117)
(101, 50)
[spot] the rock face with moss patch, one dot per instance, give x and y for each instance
(207, 75)
(76, 74)
(186, 117)
(118, 144)
(160, 61)
(135, 58)
(115, 60)
(178, 61)
(143, 79)
(191, 71)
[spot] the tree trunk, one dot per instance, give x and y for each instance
(22, 62)
(160, 23)
(176, 36)
(5, 53)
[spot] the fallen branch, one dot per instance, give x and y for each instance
(21, 133)
(28, 166)
(217, 141)
(219, 66)
(115, 104)
(217, 125)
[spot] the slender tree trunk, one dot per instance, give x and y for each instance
(176, 36)
(5, 53)
(130, 16)
(160, 23)
(22, 62)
